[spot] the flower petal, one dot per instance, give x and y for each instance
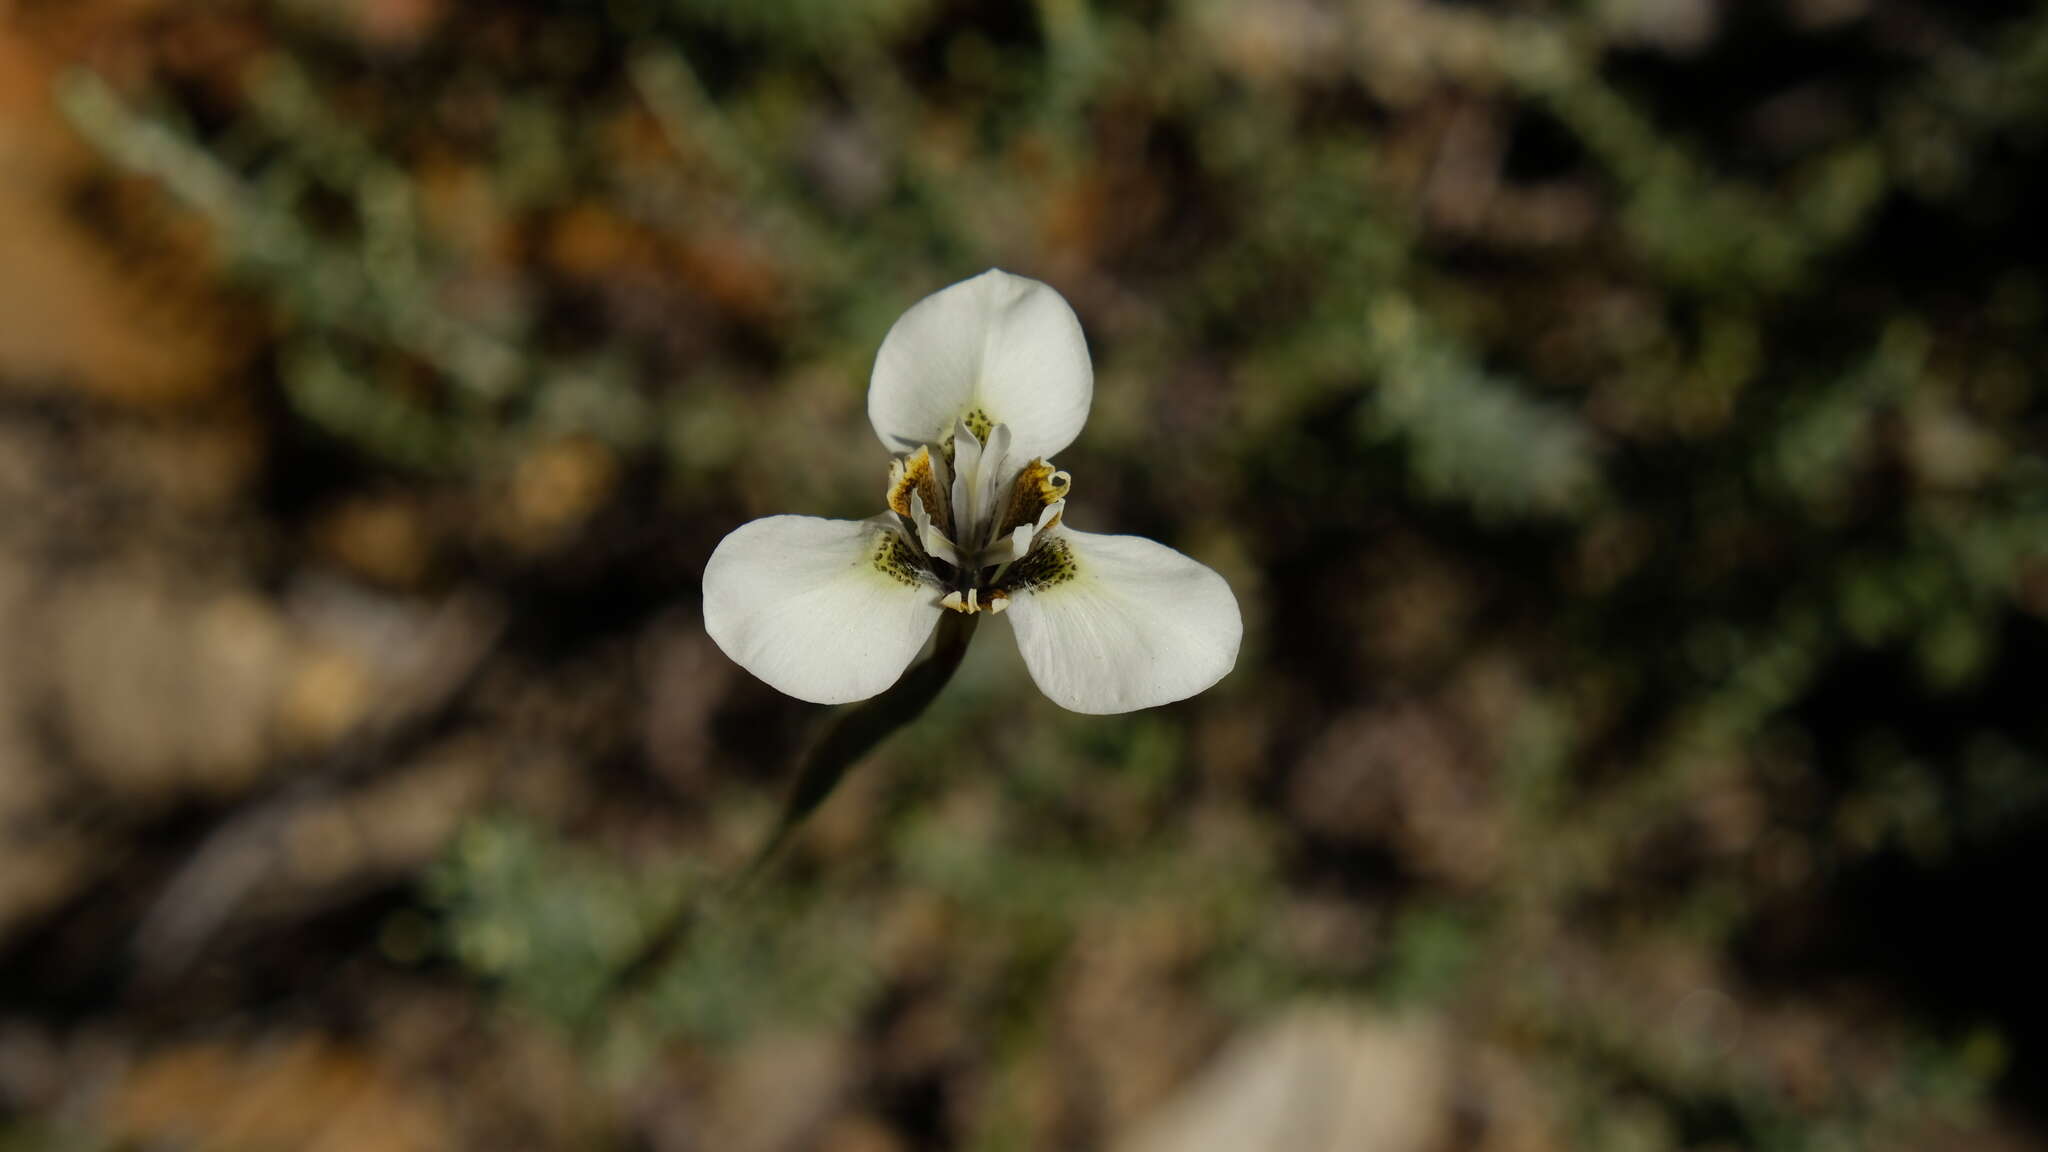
(828, 611)
(997, 349)
(1117, 623)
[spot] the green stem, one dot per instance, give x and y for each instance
(856, 731)
(852, 734)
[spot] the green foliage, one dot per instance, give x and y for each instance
(546, 920)
(553, 924)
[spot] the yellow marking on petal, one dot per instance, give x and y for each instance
(893, 557)
(1038, 486)
(906, 476)
(1051, 562)
(918, 475)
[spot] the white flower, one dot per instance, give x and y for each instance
(976, 386)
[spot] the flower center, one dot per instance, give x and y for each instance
(976, 521)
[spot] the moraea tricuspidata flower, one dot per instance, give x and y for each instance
(975, 388)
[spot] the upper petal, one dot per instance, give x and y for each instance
(1116, 623)
(997, 349)
(828, 611)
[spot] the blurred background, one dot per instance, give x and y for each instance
(1622, 422)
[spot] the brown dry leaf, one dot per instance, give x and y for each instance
(460, 207)
(555, 487)
(387, 23)
(733, 269)
(589, 242)
(69, 313)
(384, 538)
(307, 1095)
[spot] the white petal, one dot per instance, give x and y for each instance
(1019, 544)
(966, 469)
(803, 603)
(991, 479)
(1135, 624)
(928, 534)
(1004, 346)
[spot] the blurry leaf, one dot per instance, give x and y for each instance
(1473, 436)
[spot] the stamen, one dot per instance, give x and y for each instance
(964, 506)
(969, 602)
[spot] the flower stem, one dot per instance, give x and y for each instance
(852, 734)
(855, 732)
